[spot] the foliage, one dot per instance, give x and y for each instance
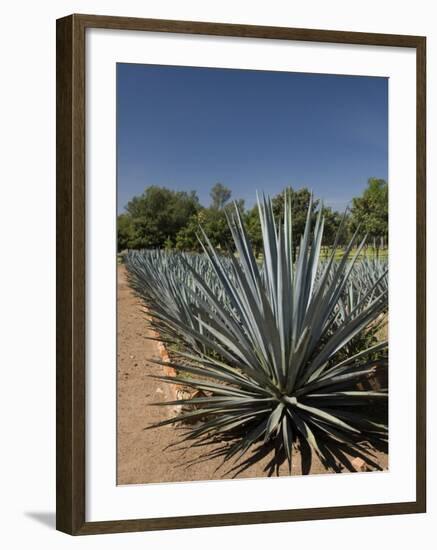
(162, 218)
(369, 212)
(155, 217)
(335, 227)
(253, 228)
(125, 232)
(219, 196)
(213, 221)
(276, 349)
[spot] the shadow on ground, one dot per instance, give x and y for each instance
(45, 518)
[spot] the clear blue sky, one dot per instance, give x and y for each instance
(187, 128)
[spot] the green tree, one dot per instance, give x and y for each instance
(186, 239)
(154, 218)
(217, 228)
(370, 211)
(253, 228)
(213, 222)
(333, 224)
(219, 196)
(125, 232)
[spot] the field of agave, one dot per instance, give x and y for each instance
(276, 349)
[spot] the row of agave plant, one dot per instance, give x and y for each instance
(276, 350)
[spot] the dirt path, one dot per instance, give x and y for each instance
(141, 454)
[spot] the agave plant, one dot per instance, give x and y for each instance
(369, 278)
(265, 348)
(161, 278)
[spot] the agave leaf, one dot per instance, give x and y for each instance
(205, 385)
(287, 435)
(321, 413)
(327, 370)
(273, 423)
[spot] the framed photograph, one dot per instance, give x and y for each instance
(240, 274)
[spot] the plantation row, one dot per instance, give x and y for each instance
(277, 347)
(168, 281)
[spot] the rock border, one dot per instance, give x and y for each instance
(177, 391)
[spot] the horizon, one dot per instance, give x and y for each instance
(187, 128)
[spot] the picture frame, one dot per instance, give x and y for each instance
(71, 298)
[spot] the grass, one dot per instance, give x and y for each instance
(369, 252)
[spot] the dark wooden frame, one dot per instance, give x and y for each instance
(70, 298)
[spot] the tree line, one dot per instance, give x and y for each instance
(164, 218)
